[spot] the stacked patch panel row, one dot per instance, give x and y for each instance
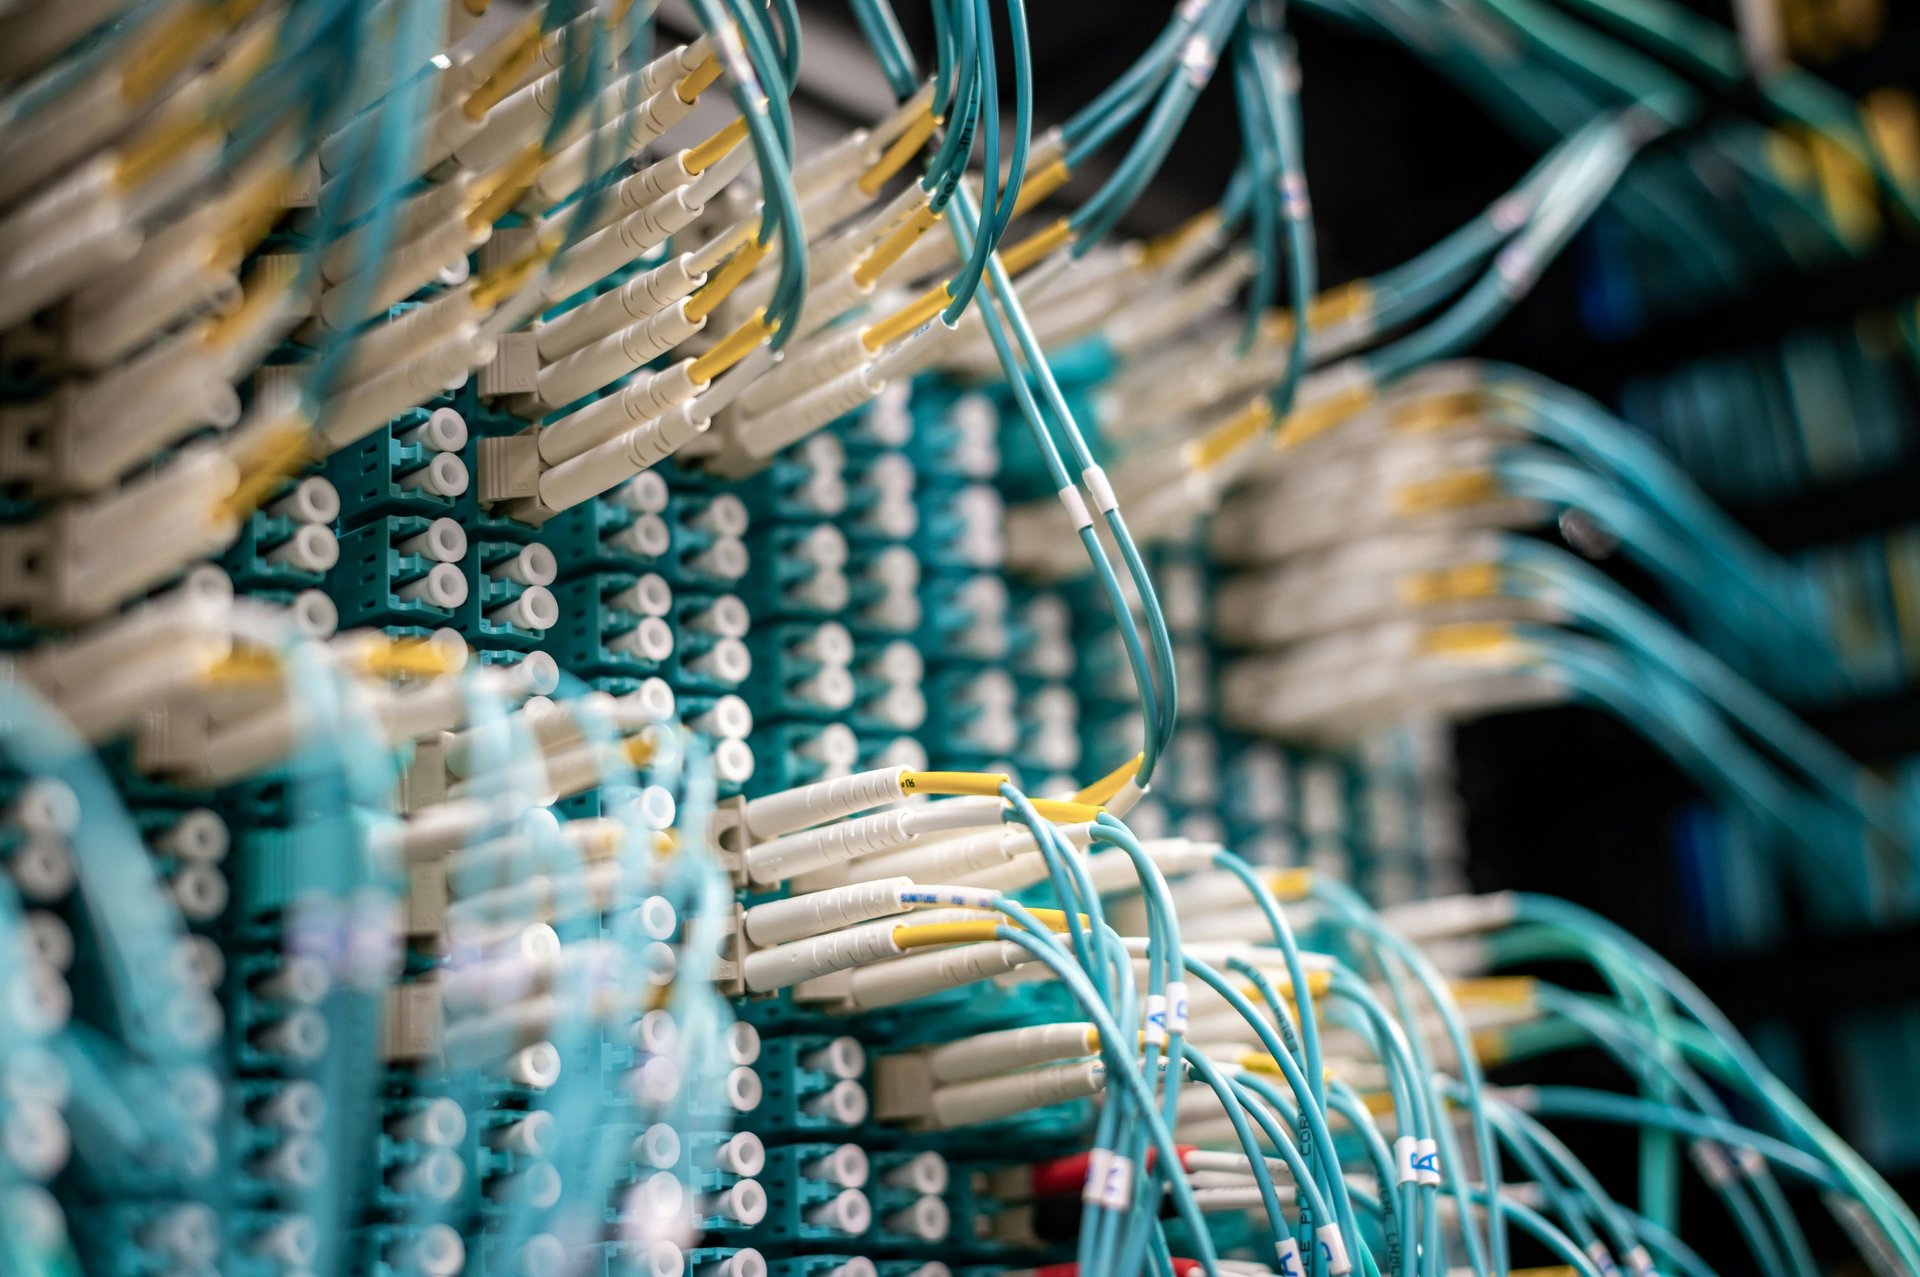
(969, 635)
(954, 627)
(1003, 660)
(636, 593)
(834, 583)
(633, 593)
(835, 675)
(1870, 588)
(1820, 406)
(250, 859)
(1376, 814)
(1811, 205)
(652, 606)
(928, 608)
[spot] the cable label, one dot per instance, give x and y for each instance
(1100, 488)
(1288, 1262)
(1197, 60)
(1713, 1163)
(1406, 1160)
(1109, 1180)
(1156, 1024)
(1176, 1006)
(1333, 1249)
(1076, 508)
(1427, 1165)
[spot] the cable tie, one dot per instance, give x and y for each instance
(1510, 212)
(1290, 75)
(733, 54)
(1712, 1162)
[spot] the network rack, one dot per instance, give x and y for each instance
(581, 698)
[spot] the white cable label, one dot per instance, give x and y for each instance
(1714, 1165)
(1109, 1180)
(1076, 508)
(1602, 1259)
(1156, 1024)
(1290, 75)
(1102, 491)
(1333, 1249)
(1406, 1160)
(1294, 200)
(1288, 1262)
(1428, 1163)
(1642, 1262)
(1176, 1006)
(1197, 59)
(1509, 213)
(1517, 267)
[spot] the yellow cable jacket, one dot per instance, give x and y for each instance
(705, 155)
(889, 250)
(1063, 813)
(915, 313)
(895, 157)
(972, 784)
(507, 76)
(1101, 791)
(732, 348)
(1230, 436)
(728, 278)
(695, 82)
(1034, 247)
(1037, 186)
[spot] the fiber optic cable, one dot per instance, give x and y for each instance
(1356, 914)
(1792, 1250)
(1733, 1061)
(1296, 1080)
(1119, 1065)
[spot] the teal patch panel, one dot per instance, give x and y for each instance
(497, 611)
(813, 1085)
(601, 637)
(381, 475)
(377, 583)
